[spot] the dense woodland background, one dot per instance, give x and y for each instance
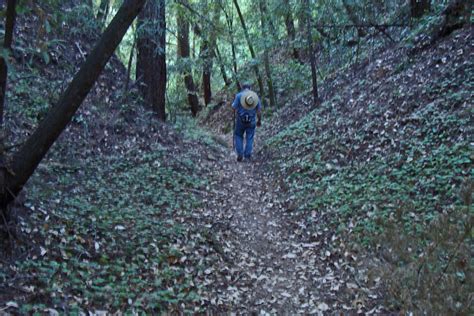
(117, 178)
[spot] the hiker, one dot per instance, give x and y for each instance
(247, 107)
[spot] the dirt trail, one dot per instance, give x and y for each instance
(271, 259)
(271, 264)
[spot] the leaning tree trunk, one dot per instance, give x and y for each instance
(309, 35)
(252, 51)
(25, 161)
(266, 61)
(183, 52)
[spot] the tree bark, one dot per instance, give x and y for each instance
(142, 71)
(222, 66)
(206, 55)
(266, 61)
(252, 51)
(235, 67)
(183, 52)
(309, 35)
(129, 66)
(9, 27)
(159, 100)
(230, 28)
(26, 160)
(151, 57)
(211, 53)
(7, 44)
(206, 72)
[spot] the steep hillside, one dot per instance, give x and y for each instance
(396, 110)
(384, 155)
(49, 47)
(104, 221)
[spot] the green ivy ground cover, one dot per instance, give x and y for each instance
(417, 171)
(106, 242)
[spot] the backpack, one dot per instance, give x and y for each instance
(245, 118)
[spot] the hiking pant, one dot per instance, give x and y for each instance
(249, 130)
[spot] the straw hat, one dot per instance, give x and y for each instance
(249, 100)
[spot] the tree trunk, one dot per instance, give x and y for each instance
(7, 44)
(9, 26)
(266, 61)
(309, 35)
(26, 160)
(103, 11)
(235, 66)
(252, 51)
(210, 52)
(222, 66)
(129, 66)
(159, 100)
(419, 7)
(183, 52)
(290, 29)
(230, 28)
(142, 71)
(206, 55)
(206, 71)
(151, 56)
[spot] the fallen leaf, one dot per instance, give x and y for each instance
(323, 307)
(12, 304)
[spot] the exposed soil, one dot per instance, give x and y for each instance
(270, 262)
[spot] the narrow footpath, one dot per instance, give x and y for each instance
(272, 263)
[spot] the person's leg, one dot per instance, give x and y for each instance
(239, 139)
(249, 134)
